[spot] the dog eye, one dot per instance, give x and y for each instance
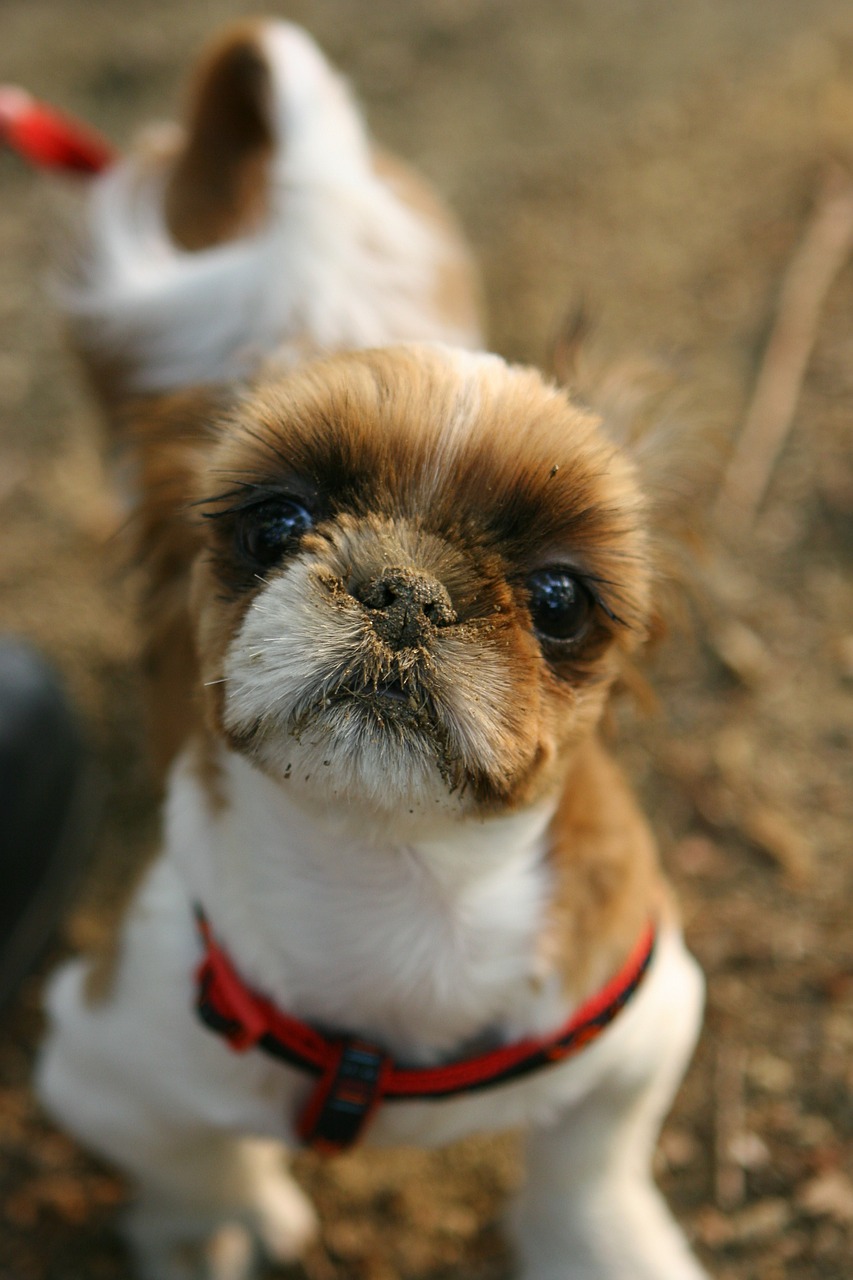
(267, 530)
(560, 605)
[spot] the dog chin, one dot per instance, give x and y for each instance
(372, 752)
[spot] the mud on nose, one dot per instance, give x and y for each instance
(405, 605)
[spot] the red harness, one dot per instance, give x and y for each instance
(356, 1076)
(48, 139)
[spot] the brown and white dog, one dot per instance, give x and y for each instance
(390, 592)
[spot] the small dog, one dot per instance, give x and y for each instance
(404, 885)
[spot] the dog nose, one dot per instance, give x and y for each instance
(405, 605)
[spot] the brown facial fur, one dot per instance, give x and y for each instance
(168, 437)
(386, 448)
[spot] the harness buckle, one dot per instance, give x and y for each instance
(345, 1098)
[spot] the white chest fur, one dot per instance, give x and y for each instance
(420, 944)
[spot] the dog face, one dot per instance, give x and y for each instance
(418, 573)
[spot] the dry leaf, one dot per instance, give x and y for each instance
(828, 1195)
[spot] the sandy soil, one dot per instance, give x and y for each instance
(661, 161)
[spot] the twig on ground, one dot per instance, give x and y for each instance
(729, 1176)
(819, 257)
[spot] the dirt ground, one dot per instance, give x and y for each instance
(660, 160)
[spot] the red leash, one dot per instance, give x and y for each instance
(49, 139)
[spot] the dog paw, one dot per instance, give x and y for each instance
(286, 1221)
(230, 1254)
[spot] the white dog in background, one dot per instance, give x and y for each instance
(402, 882)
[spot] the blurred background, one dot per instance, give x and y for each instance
(663, 162)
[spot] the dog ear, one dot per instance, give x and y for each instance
(167, 441)
(218, 186)
(675, 446)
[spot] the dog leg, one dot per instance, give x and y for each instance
(219, 1204)
(206, 1201)
(589, 1210)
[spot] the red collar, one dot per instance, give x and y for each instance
(48, 139)
(355, 1076)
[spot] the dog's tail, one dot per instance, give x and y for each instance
(268, 226)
